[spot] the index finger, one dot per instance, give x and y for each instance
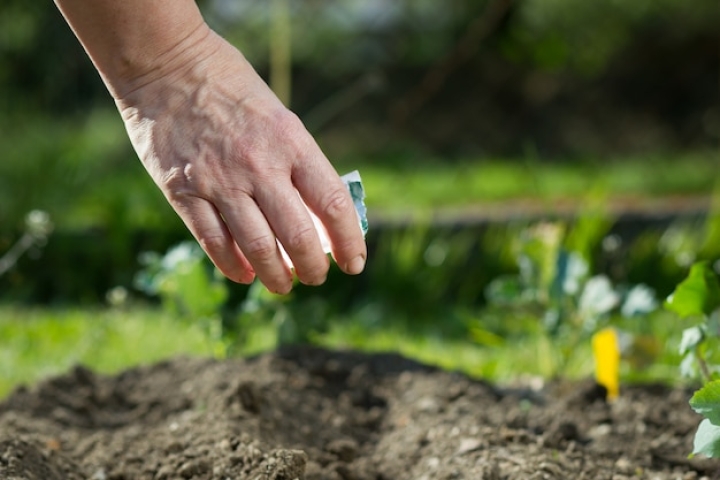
(325, 194)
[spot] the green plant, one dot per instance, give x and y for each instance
(420, 274)
(555, 285)
(292, 322)
(37, 229)
(188, 287)
(698, 296)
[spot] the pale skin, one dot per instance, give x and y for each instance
(225, 152)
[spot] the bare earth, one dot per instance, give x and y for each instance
(307, 413)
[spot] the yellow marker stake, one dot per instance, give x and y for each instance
(606, 351)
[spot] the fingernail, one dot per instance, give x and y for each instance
(280, 291)
(246, 279)
(316, 281)
(356, 265)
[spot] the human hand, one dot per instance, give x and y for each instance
(236, 165)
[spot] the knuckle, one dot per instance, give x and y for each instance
(291, 130)
(181, 182)
(336, 204)
(217, 248)
(287, 123)
(301, 241)
(261, 249)
(252, 155)
(213, 244)
(251, 151)
(174, 181)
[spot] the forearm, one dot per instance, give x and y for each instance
(220, 145)
(132, 42)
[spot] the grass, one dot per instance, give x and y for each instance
(38, 342)
(532, 353)
(425, 186)
(93, 159)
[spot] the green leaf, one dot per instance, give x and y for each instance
(698, 294)
(707, 440)
(504, 291)
(706, 401)
(687, 366)
(691, 338)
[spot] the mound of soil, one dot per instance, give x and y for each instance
(307, 413)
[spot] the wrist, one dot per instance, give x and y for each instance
(133, 41)
(137, 69)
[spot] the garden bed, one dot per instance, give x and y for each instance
(316, 414)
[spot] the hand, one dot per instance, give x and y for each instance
(236, 165)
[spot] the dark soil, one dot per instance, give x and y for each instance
(314, 414)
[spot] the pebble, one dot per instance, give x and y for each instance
(194, 468)
(344, 449)
(165, 472)
(428, 405)
(600, 431)
(99, 475)
(468, 445)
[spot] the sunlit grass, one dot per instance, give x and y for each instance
(533, 354)
(118, 190)
(530, 356)
(39, 342)
(429, 185)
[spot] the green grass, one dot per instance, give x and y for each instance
(422, 187)
(92, 157)
(93, 160)
(38, 342)
(531, 353)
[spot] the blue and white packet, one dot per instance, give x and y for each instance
(353, 182)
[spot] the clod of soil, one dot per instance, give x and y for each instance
(308, 413)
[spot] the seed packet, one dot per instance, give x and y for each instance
(353, 182)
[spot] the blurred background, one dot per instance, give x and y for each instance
(496, 139)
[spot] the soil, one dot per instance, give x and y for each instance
(308, 413)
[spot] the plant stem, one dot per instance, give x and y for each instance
(703, 366)
(11, 256)
(280, 51)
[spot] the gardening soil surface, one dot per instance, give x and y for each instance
(307, 413)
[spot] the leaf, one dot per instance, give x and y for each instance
(598, 297)
(504, 291)
(706, 401)
(691, 338)
(687, 366)
(640, 300)
(486, 337)
(571, 270)
(698, 294)
(707, 440)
